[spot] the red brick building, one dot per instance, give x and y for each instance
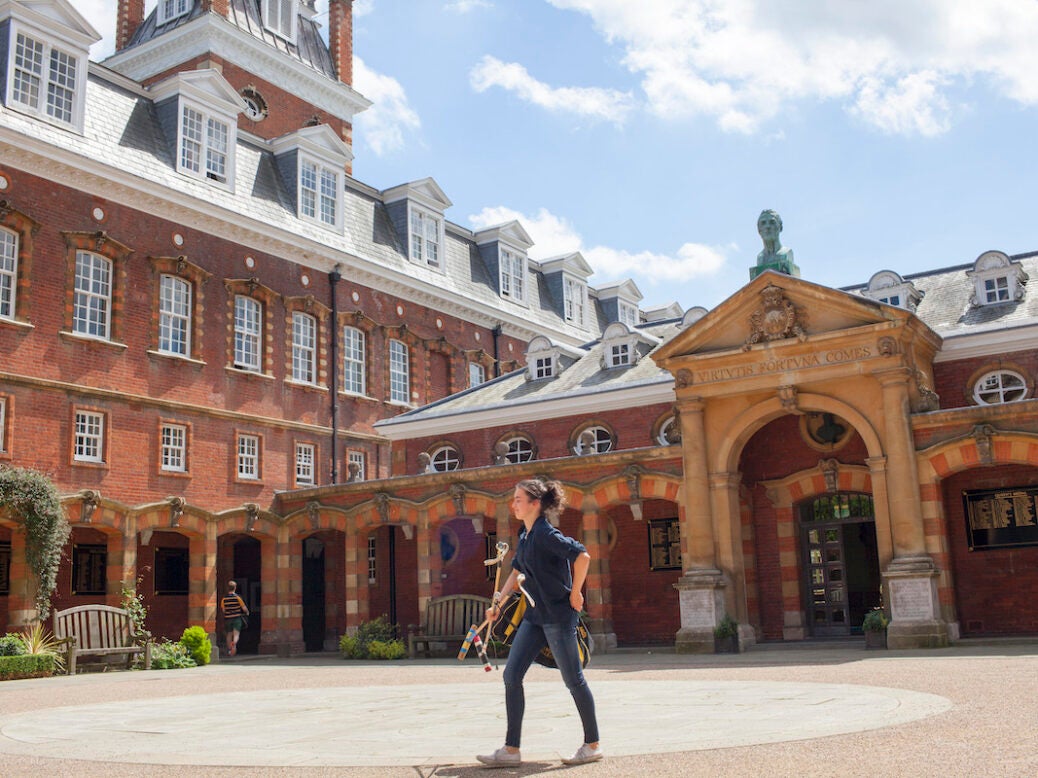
(200, 308)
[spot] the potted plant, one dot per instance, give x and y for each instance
(874, 625)
(726, 636)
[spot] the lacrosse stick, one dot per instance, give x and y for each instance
(502, 550)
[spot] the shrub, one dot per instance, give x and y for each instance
(375, 639)
(38, 641)
(728, 628)
(198, 645)
(386, 649)
(11, 645)
(26, 666)
(875, 621)
(170, 656)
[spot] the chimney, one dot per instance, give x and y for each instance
(130, 17)
(340, 38)
(219, 7)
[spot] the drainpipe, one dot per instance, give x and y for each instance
(333, 278)
(497, 362)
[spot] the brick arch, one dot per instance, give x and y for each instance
(755, 417)
(236, 521)
(616, 490)
(1006, 448)
(298, 525)
(109, 516)
(192, 522)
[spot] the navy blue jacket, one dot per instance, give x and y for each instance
(544, 556)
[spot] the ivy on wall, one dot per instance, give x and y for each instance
(30, 496)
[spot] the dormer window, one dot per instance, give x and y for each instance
(888, 287)
(619, 355)
(199, 111)
(996, 279)
(319, 188)
(576, 302)
(543, 367)
(628, 313)
(620, 345)
(426, 237)
(46, 80)
(279, 16)
(542, 359)
(172, 9)
(317, 157)
(513, 275)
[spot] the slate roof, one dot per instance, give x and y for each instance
(946, 308)
(582, 377)
(245, 15)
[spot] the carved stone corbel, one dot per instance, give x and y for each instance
(313, 511)
(251, 515)
(982, 435)
(176, 510)
(831, 472)
(382, 505)
(683, 378)
(788, 396)
(457, 492)
(91, 499)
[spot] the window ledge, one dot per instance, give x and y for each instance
(355, 396)
(175, 358)
(90, 465)
(249, 373)
(15, 324)
(174, 473)
(305, 386)
(75, 337)
(398, 404)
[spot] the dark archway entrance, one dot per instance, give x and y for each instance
(246, 569)
(840, 563)
(314, 618)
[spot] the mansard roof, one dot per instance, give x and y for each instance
(308, 48)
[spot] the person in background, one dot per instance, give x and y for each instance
(234, 610)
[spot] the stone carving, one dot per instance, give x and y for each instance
(788, 397)
(91, 499)
(501, 453)
(425, 464)
(774, 256)
(176, 510)
(354, 472)
(683, 378)
(776, 319)
(458, 495)
(982, 434)
(929, 400)
(633, 474)
(382, 504)
(313, 511)
(831, 472)
(887, 347)
(251, 515)
(586, 444)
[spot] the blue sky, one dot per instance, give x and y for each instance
(889, 134)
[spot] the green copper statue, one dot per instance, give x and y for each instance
(775, 256)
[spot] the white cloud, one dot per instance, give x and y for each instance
(554, 235)
(589, 102)
(385, 124)
(891, 63)
(464, 6)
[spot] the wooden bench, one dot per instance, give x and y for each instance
(98, 630)
(447, 620)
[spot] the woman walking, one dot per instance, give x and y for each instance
(555, 568)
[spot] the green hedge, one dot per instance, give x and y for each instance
(26, 666)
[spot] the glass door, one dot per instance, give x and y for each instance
(827, 580)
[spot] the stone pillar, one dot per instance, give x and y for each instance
(356, 577)
(427, 587)
(287, 607)
(599, 582)
(201, 601)
(724, 496)
(701, 586)
(911, 576)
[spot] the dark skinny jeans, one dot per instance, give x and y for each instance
(529, 640)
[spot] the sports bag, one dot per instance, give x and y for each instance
(512, 613)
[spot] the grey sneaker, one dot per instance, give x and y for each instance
(584, 755)
(501, 758)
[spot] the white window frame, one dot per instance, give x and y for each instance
(620, 354)
(92, 296)
(279, 16)
(996, 289)
(445, 459)
(248, 457)
(88, 444)
(173, 448)
(575, 294)
(399, 372)
(304, 348)
(513, 274)
(997, 280)
(425, 230)
(172, 9)
(627, 313)
(324, 191)
(306, 464)
(46, 78)
(661, 436)
(358, 457)
(992, 388)
(520, 449)
(207, 151)
(354, 361)
(542, 366)
(603, 439)
(248, 333)
(477, 374)
(175, 315)
(9, 243)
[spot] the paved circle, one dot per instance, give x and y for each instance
(436, 725)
